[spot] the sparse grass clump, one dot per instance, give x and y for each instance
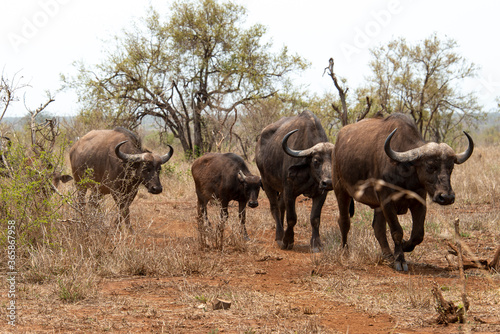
(363, 249)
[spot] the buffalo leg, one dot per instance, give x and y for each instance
(219, 238)
(418, 212)
(202, 218)
(242, 215)
(391, 217)
(317, 205)
(124, 214)
(275, 204)
(344, 221)
(95, 199)
(291, 220)
(379, 226)
(80, 199)
(123, 204)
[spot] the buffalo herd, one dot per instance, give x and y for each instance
(381, 162)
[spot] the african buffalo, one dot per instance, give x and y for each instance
(224, 177)
(287, 173)
(383, 163)
(113, 162)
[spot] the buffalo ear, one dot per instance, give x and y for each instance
(298, 172)
(66, 178)
(241, 177)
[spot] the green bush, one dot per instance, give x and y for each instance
(27, 197)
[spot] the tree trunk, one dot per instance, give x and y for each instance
(198, 140)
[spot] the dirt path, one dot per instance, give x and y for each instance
(271, 290)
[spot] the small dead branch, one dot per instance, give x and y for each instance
(470, 261)
(447, 311)
(461, 267)
(378, 184)
(366, 111)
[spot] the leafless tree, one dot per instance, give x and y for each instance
(342, 110)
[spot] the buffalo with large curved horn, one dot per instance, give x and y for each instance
(140, 157)
(417, 153)
(100, 153)
(393, 175)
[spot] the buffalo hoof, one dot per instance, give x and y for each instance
(401, 266)
(283, 245)
(316, 249)
(316, 245)
(245, 236)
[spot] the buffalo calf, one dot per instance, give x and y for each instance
(224, 177)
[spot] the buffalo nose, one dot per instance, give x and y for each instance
(326, 184)
(445, 199)
(253, 204)
(156, 190)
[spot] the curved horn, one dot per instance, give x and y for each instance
(408, 156)
(289, 151)
(462, 157)
(125, 156)
(166, 157)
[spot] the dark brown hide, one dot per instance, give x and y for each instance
(304, 169)
(94, 157)
(226, 178)
(422, 168)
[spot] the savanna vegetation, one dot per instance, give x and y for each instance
(203, 80)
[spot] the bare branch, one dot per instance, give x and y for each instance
(367, 110)
(341, 91)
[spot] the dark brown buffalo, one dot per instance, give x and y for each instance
(303, 169)
(115, 160)
(392, 150)
(224, 177)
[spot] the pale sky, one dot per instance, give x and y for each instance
(40, 39)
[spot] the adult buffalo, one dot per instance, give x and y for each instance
(383, 163)
(287, 173)
(224, 177)
(114, 162)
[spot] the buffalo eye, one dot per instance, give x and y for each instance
(316, 162)
(431, 168)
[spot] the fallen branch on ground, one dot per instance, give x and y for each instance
(472, 262)
(447, 311)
